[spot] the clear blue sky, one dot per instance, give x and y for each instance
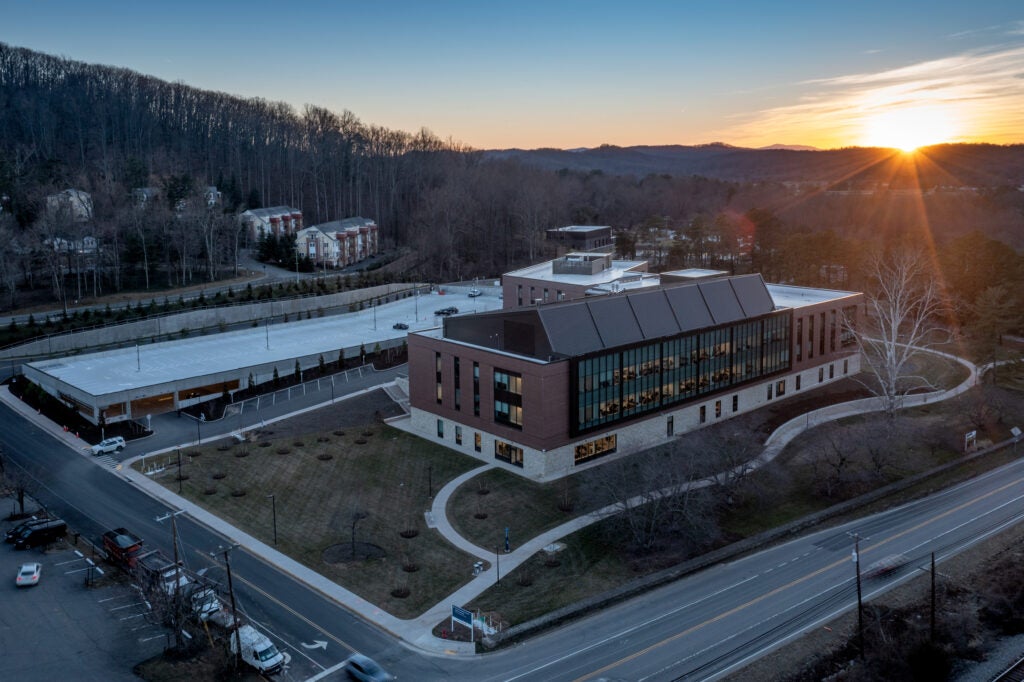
(573, 74)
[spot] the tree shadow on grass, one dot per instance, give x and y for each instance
(342, 553)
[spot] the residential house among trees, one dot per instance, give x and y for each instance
(71, 205)
(277, 221)
(339, 243)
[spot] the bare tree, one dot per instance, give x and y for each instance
(18, 481)
(904, 316)
(655, 496)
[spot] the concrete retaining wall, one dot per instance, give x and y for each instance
(196, 320)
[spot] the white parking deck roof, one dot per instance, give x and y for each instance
(158, 363)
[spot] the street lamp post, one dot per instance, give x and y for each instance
(273, 506)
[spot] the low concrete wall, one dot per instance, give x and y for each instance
(196, 320)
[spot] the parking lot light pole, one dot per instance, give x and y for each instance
(273, 506)
(179, 469)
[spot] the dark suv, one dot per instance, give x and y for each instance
(41, 534)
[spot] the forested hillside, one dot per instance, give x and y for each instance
(463, 213)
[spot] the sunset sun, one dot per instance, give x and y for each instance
(908, 129)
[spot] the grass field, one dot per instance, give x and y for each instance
(320, 481)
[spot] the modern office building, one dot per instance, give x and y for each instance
(545, 389)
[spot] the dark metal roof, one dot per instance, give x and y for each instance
(593, 324)
(753, 294)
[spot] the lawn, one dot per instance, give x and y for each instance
(322, 482)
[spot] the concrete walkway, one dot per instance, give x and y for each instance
(417, 632)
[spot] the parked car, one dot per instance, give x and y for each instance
(364, 668)
(13, 533)
(473, 293)
(28, 575)
(400, 325)
(115, 444)
(450, 310)
(41, 534)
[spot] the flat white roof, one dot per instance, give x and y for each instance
(545, 271)
(128, 369)
(580, 228)
(696, 273)
(788, 296)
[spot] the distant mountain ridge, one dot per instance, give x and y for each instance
(969, 165)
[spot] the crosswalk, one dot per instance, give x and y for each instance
(106, 461)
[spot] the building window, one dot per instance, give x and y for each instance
(670, 427)
(769, 391)
(846, 366)
(832, 332)
(476, 389)
(508, 398)
(821, 374)
(848, 335)
(810, 337)
(458, 389)
(440, 428)
(458, 435)
(477, 441)
(595, 448)
(545, 294)
(437, 374)
(831, 371)
(780, 388)
(519, 294)
(507, 452)
(735, 403)
(560, 295)
(821, 336)
(703, 413)
(637, 380)
(796, 383)
(799, 339)
(718, 409)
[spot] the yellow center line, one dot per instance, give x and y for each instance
(787, 586)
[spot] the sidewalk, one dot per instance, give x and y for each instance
(417, 632)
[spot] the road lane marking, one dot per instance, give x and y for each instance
(290, 610)
(782, 588)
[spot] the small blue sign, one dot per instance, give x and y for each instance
(462, 615)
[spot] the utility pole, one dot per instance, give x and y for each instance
(177, 617)
(860, 600)
(231, 593)
(932, 631)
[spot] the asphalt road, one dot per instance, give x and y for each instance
(701, 627)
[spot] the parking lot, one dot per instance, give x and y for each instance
(64, 628)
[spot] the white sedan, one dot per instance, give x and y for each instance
(29, 575)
